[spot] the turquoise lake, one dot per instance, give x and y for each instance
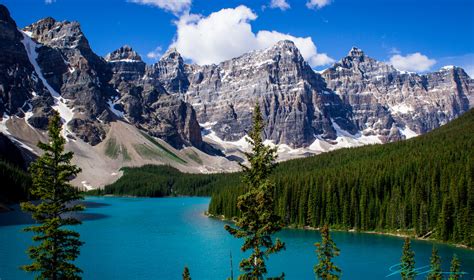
(154, 238)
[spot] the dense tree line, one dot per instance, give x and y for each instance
(164, 180)
(15, 183)
(14, 178)
(422, 186)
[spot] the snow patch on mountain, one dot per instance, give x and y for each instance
(86, 185)
(28, 115)
(64, 111)
(112, 108)
(3, 124)
(346, 140)
(4, 130)
(401, 108)
(407, 132)
(124, 60)
(241, 144)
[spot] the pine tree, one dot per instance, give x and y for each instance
(186, 274)
(408, 262)
(455, 271)
(326, 251)
(435, 266)
(258, 221)
(53, 257)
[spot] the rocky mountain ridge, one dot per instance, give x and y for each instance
(50, 65)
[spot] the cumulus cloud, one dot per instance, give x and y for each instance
(317, 4)
(177, 7)
(416, 62)
(155, 54)
(49, 1)
(279, 4)
(227, 33)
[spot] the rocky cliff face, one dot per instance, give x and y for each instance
(296, 103)
(76, 75)
(50, 65)
(385, 100)
(169, 72)
(144, 96)
(358, 97)
(20, 87)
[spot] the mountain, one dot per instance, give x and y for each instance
(395, 104)
(145, 102)
(119, 111)
(296, 103)
(358, 97)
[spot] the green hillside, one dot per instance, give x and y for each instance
(423, 186)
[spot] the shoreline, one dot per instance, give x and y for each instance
(384, 233)
(395, 233)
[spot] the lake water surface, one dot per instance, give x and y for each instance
(154, 238)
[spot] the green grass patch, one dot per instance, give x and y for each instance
(125, 154)
(164, 150)
(194, 156)
(147, 151)
(112, 150)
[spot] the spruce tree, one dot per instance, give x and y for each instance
(258, 221)
(326, 251)
(455, 271)
(58, 246)
(407, 266)
(186, 274)
(435, 266)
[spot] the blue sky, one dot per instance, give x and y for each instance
(413, 35)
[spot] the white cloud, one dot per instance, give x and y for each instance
(317, 4)
(412, 62)
(280, 4)
(227, 33)
(49, 1)
(155, 54)
(177, 7)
